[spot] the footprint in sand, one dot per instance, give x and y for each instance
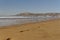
(8, 39)
(24, 30)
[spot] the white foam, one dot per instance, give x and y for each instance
(8, 20)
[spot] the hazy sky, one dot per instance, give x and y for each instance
(10, 7)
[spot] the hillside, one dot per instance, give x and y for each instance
(37, 14)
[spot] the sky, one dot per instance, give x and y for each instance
(12, 7)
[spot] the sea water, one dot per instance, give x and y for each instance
(10, 20)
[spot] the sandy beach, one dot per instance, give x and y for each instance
(46, 30)
(29, 19)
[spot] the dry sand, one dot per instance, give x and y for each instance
(48, 30)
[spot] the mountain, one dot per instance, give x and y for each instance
(37, 14)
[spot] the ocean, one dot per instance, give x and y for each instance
(12, 20)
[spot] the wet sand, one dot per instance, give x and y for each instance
(45, 30)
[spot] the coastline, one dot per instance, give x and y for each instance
(45, 30)
(14, 25)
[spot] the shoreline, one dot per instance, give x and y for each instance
(14, 25)
(45, 30)
(21, 20)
